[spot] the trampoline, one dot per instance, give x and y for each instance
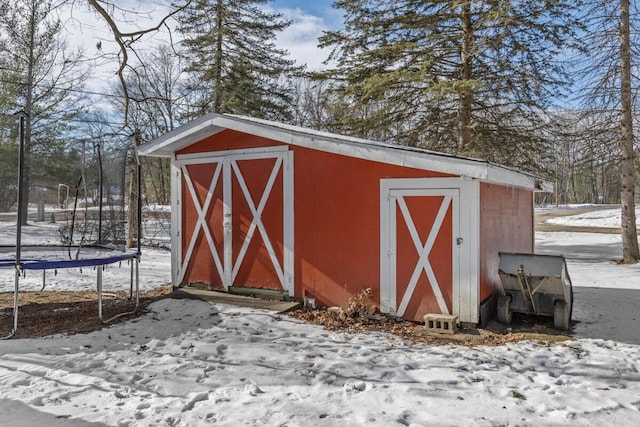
(95, 234)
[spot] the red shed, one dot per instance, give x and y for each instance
(267, 205)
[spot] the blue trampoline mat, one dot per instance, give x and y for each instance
(57, 257)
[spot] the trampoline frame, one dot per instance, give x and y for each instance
(99, 263)
(21, 265)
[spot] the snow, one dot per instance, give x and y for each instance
(607, 218)
(187, 363)
(154, 266)
(190, 363)
(607, 295)
(591, 258)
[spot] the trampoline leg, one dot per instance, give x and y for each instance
(99, 286)
(15, 308)
(44, 279)
(137, 274)
(131, 280)
(137, 262)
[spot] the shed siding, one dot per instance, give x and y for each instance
(228, 140)
(506, 225)
(337, 223)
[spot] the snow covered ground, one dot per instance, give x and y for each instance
(591, 258)
(154, 264)
(608, 218)
(191, 363)
(607, 295)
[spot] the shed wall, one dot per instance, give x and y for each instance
(228, 140)
(337, 223)
(506, 225)
(337, 220)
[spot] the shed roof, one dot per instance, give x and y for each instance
(211, 124)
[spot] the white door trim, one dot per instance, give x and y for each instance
(176, 224)
(466, 259)
(250, 153)
(226, 168)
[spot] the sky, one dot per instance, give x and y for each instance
(319, 8)
(193, 363)
(309, 19)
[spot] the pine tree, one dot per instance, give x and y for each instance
(8, 150)
(461, 76)
(232, 55)
(39, 73)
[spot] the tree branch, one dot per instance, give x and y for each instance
(125, 41)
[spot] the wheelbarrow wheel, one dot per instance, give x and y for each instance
(504, 309)
(561, 315)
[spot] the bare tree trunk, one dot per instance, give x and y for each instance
(217, 89)
(630, 252)
(132, 213)
(466, 74)
(162, 198)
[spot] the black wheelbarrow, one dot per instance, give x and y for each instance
(535, 284)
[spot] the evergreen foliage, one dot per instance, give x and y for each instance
(461, 76)
(232, 55)
(38, 74)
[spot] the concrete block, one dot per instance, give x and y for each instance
(441, 323)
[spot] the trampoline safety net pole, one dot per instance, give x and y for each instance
(19, 221)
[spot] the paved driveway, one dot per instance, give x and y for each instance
(610, 314)
(606, 295)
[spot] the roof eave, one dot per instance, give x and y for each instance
(208, 125)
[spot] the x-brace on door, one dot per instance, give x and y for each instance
(238, 209)
(422, 245)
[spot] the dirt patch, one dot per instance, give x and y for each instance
(68, 312)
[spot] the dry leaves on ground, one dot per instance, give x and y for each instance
(359, 315)
(69, 312)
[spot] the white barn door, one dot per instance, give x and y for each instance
(424, 259)
(225, 215)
